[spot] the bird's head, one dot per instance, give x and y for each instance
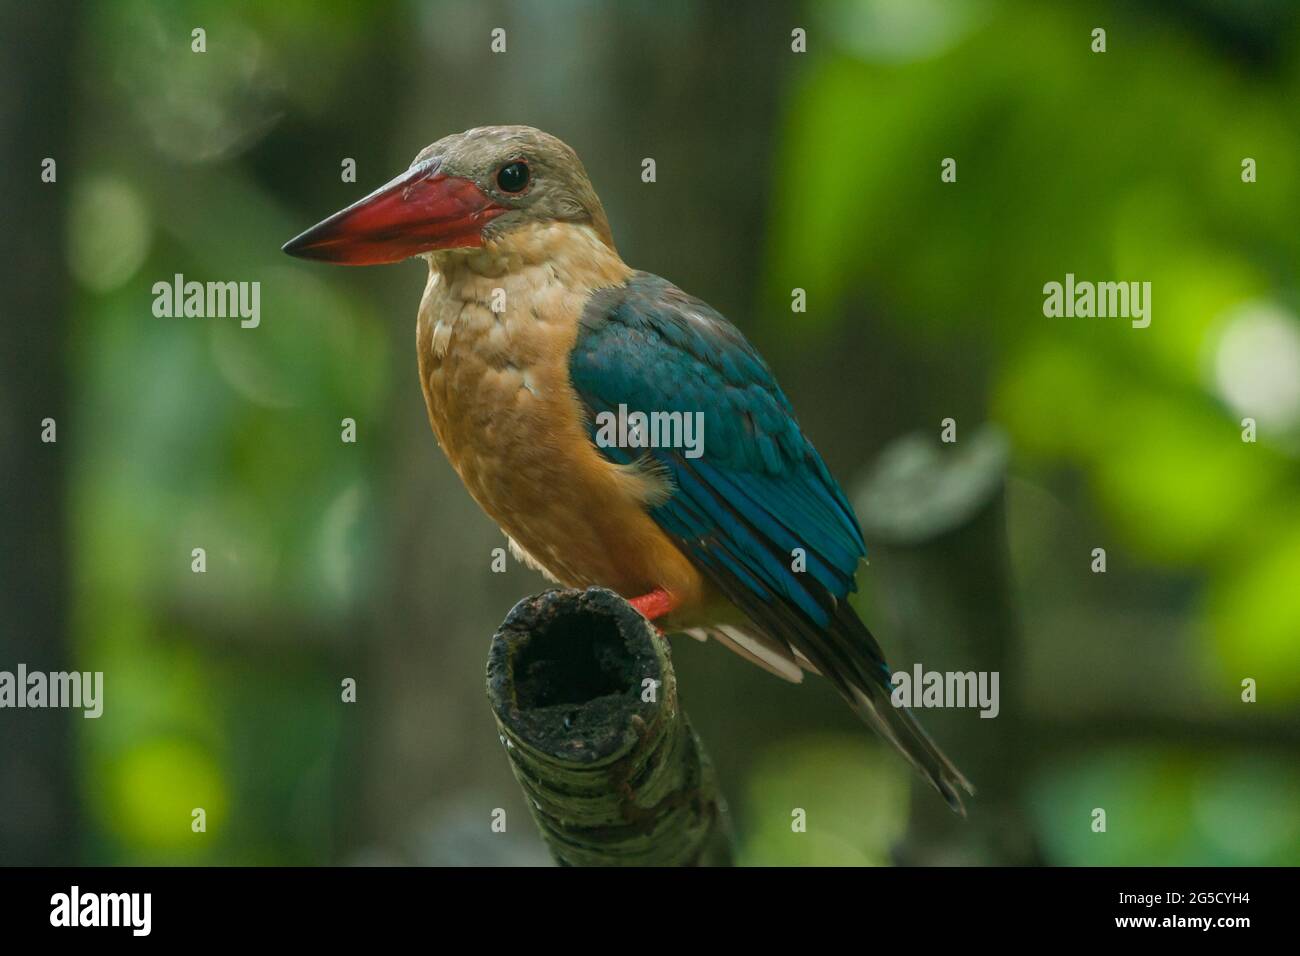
(464, 191)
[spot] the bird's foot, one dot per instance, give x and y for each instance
(655, 604)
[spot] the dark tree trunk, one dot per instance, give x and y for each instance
(38, 807)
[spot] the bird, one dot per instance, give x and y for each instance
(534, 338)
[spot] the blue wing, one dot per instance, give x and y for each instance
(759, 490)
(756, 492)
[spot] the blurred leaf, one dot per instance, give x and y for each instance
(1170, 808)
(855, 804)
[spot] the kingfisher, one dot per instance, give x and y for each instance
(533, 335)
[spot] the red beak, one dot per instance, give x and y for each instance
(421, 210)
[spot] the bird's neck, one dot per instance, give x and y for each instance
(500, 321)
(537, 275)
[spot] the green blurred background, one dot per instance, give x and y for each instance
(775, 170)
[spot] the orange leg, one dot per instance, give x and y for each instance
(655, 604)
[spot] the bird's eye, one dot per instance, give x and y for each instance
(513, 177)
